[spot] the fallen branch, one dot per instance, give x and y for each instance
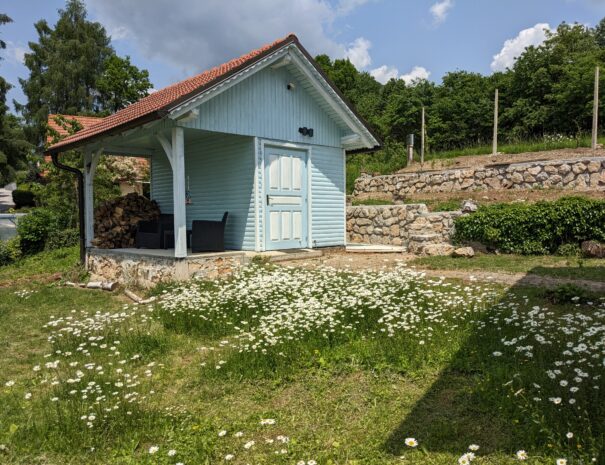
(138, 299)
(105, 285)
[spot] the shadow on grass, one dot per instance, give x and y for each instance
(475, 399)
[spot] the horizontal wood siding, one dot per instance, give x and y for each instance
(328, 196)
(262, 106)
(220, 172)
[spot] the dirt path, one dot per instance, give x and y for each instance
(383, 261)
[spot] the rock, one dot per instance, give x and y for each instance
(466, 252)
(516, 178)
(593, 249)
(468, 206)
(433, 250)
(594, 166)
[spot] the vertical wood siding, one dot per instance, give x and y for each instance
(220, 169)
(262, 106)
(328, 196)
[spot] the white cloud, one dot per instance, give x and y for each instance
(417, 73)
(440, 10)
(193, 35)
(384, 74)
(346, 6)
(15, 53)
(512, 48)
(358, 53)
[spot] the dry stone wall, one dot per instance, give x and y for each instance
(412, 226)
(579, 174)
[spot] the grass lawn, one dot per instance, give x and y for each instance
(289, 366)
(543, 265)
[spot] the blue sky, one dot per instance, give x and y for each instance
(390, 38)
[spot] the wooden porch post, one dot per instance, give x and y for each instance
(178, 192)
(91, 160)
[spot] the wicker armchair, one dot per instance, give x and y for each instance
(208, 236)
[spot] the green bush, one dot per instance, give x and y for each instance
(62, 239)
(534, 229)
(9, 251)
(24, 198)
(37, 227)
(569, 250)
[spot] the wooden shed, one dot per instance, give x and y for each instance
(263, 137)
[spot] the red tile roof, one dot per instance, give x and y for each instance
(56, 128)
(151, 107)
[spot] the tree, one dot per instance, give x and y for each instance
(64, 65)
(13, 147)
(122, 83)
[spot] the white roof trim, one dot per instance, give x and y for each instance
(316, 79)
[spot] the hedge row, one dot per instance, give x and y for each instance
(533, 229)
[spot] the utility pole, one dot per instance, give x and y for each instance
(422, 137)
(495, 137)
(595, 109)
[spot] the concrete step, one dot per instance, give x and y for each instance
(374, 248)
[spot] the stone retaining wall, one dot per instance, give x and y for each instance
(147, 271)
(579, 174)
(399, 224)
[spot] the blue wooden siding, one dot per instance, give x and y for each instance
(220, 169)
(262, 106)
(328, 196)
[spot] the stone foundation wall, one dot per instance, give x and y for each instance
(579, 174)
(398, 224)
(147, 271)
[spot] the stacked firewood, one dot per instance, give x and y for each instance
(116, 220)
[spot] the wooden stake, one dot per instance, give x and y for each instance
(422, 137)
(595, 110)
(495, 137)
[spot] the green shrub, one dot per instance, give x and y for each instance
(569, 250)
(9, 251)
(24, 198)
(62, 239)
(539, 228)
(37, 227)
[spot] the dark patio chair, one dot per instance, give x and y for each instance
(149, 235)
(208, 236)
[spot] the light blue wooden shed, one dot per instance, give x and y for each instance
(263, 137)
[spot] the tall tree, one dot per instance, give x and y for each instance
(121, 83)
(13, 147)
(64, 65)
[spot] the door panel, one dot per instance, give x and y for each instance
(286, 198)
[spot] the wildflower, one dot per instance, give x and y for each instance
(153, 449)
(229, 457)
(497, 354)
(267, 421)
(222, 433)
(239, 434)
(28, 395)
(249, 444)
(311, 462)
(569, 435)
(9, 383)
(411, 442)
(473, 447)
(561, 462)
(171, 453)
(521, 454)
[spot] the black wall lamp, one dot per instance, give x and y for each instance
(306, 131)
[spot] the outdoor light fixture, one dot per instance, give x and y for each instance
(306, 131)
(291, 86)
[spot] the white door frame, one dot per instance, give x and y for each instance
(262, 239)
